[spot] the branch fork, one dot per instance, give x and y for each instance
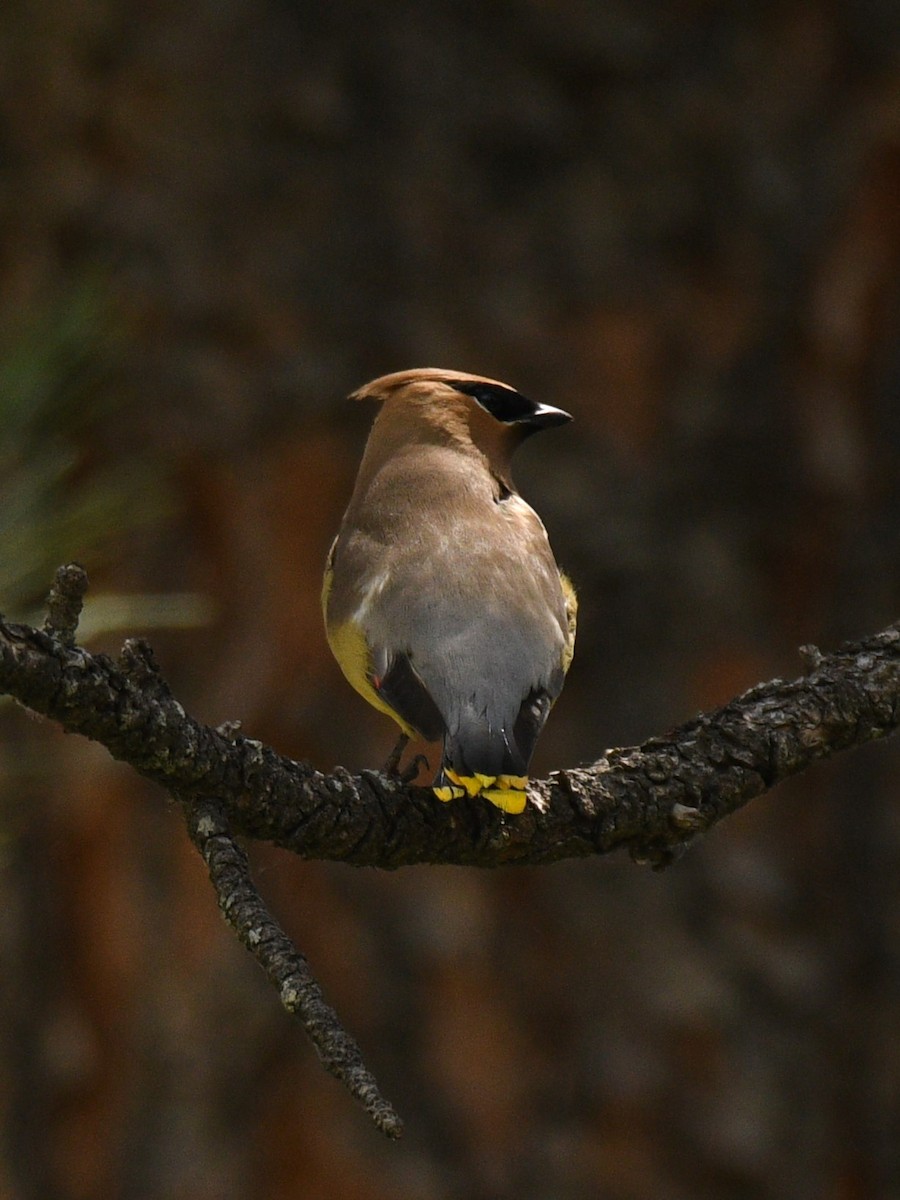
(652, 800)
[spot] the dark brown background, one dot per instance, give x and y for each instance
(680, 221)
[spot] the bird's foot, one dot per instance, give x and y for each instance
(412, 769)
(392, 766)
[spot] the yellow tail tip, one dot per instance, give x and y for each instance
(506, 799)
(507, 792)
(449, 793)
(471, 784)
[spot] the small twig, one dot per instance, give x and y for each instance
(811, 657)
(286, 968)
(65, 602)
(651, 799)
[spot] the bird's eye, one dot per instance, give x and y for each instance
(502, 403)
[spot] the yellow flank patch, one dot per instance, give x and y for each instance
(448, 793)
(571, 619)
(350, 648)
(517, 783)
(507, 799)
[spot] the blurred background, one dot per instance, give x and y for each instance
(679, 221)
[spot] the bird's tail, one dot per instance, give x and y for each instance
(480, 760)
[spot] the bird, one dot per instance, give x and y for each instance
(443, 602)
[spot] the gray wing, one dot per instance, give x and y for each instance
(482, 627)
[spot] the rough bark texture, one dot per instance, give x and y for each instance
(650, 799)
(287, 970)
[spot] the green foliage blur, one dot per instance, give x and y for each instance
(61, 498)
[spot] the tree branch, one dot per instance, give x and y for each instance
(650, 799)
(287, 969)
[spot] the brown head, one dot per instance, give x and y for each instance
(443, 407)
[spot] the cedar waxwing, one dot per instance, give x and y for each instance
(443, 603)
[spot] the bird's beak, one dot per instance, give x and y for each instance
(545, 416)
